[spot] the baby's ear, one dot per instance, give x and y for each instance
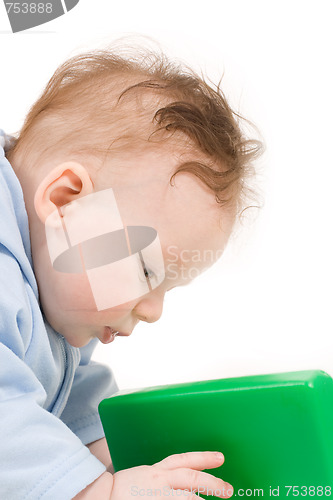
(65, 183)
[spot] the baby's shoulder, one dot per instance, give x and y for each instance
(2, 138)
(6, 185)
(6, 142)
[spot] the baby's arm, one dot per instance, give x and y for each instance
(101, 489)
(100, 449)
(181, 471)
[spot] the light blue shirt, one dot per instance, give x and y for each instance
(49, 390)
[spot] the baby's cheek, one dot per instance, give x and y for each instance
(113, 314)
(73, 292)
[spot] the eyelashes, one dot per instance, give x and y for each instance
(149, 274)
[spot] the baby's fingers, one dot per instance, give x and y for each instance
(201, 482)
(197, 460)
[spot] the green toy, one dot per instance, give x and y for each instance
(275, 431)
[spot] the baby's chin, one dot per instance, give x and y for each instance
(77, 337)
(77, 343)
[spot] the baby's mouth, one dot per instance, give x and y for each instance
(109, 335)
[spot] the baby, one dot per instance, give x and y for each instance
(120, 160)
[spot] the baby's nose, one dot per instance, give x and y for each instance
(149, 309)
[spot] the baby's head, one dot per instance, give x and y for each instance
(172, 156)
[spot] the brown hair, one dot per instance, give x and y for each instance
(88, 103)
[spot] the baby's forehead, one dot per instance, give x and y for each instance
(145, 182)
(189, 221)
(184, 263)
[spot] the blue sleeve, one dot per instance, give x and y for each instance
(40, 457)
(92, 383)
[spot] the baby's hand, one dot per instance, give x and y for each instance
(176, 472)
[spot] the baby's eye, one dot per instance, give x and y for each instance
(148, 273)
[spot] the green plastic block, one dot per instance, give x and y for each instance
(275, 431)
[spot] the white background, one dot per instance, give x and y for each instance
(266, 306)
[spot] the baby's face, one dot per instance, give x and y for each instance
(191, 232)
